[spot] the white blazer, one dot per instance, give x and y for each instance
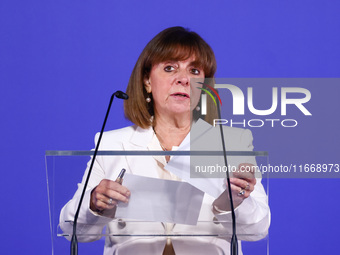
(252, 216)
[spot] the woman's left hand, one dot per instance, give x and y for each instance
(243, 181)
(242, 184)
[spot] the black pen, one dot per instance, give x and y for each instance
(120, 176)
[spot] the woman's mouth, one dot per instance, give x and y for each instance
(180, 95)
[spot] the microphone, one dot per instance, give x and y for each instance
(74, 241)
(121, 95)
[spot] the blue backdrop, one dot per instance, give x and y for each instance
(61, 60)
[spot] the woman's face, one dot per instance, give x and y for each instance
(169, 83)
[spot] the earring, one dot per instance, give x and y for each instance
(197, 108)
(148, 99)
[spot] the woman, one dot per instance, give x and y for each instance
(162, 106)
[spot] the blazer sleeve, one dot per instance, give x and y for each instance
(90, 224)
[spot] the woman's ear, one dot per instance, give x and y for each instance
(147, 85)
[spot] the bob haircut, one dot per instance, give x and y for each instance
(175, 44)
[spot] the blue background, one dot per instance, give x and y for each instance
(61, 60)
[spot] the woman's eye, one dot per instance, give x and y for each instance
(195, 71)
(169, 68)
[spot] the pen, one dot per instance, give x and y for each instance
(121, 223)
(120, 176)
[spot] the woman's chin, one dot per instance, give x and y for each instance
(180, 111)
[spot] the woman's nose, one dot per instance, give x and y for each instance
(183, 78)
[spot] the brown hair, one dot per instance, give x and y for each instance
(174, 43)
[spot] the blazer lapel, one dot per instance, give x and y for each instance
(141, 165)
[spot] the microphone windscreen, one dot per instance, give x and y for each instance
(121, 95)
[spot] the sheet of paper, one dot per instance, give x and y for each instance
(160, 200)
(180, 165)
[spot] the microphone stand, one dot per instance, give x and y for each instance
(233, 242)
(74, 241)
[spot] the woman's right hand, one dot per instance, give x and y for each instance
(105, 196)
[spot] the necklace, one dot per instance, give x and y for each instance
(167, 158)
(163, 148)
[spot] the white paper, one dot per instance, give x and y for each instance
(180, 165)
(160, 200)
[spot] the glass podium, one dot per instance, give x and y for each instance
(64, 169)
